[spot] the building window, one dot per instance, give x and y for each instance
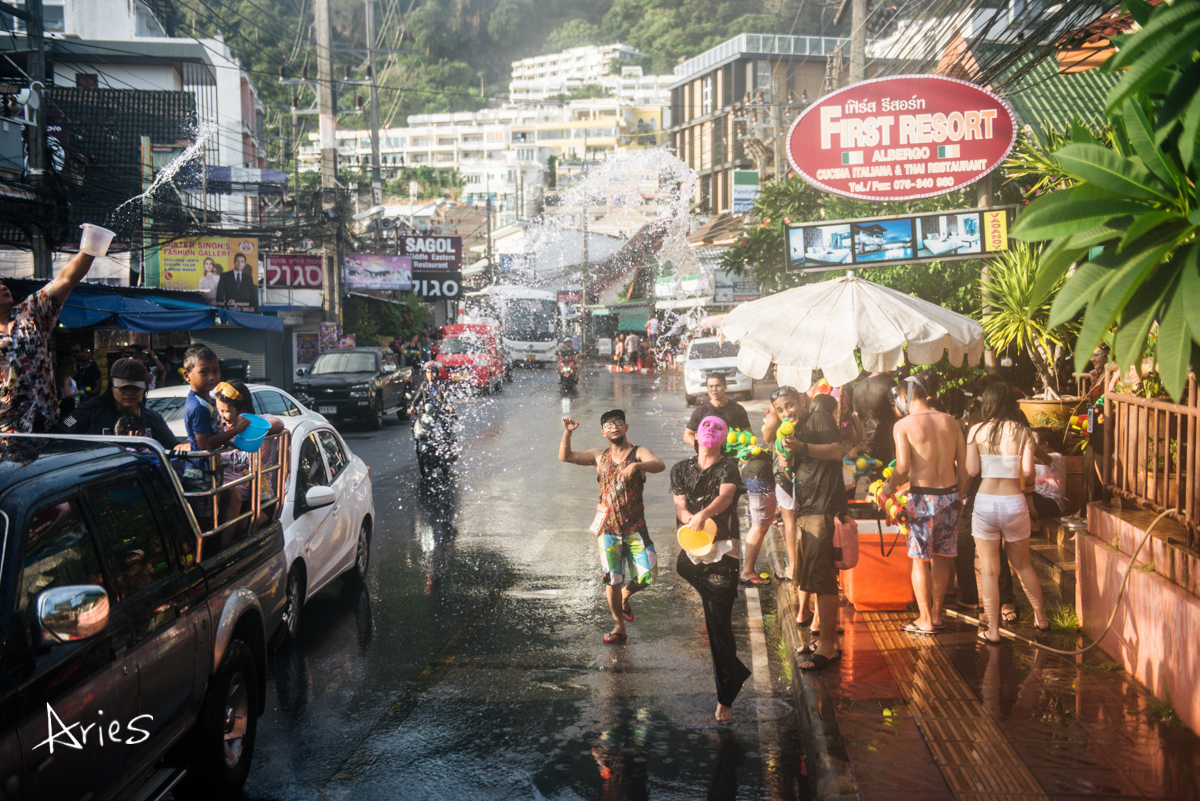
(421, 142)
(446, 141)
(85, 80)
(762, 78)
(706, 102)
(472, 138)
(364, 141)
(495, 136)
(443, 157)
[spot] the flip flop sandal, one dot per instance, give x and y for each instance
(1010, 615)
(627, 612)
(1044, 630)
(753, 581)
(913, 628)
(611, 638)
(983, 636)
(807, 649)
(939, 626)
(819, 662)
(805, 623)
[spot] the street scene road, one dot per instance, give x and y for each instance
(471, 664)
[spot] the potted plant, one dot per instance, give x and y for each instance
(1008, 293)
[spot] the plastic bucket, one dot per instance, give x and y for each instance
(697, 543)
(251, 439)
(95, 240)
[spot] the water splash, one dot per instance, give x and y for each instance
(167, 174)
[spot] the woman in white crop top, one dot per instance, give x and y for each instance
(1000, 449)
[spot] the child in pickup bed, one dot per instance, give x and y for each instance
(232, 400)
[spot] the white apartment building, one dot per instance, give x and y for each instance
(535, 79)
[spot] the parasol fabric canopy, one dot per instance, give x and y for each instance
(822, 325)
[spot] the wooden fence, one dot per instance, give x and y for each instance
(1151, 454)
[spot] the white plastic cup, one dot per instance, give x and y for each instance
(95, 240)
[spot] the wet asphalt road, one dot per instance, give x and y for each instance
(471, 665)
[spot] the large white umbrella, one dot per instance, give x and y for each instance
(822, 325)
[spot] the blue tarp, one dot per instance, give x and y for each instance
(85, 308)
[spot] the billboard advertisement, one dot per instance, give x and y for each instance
(901, 138)
(293, 271)
(908, 239)
(432, 252)
(382, 271)
(223, 271)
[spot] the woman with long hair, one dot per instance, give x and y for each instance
(1000, 451)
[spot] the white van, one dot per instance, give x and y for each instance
(707, 356)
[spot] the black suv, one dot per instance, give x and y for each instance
(363, 383)
(130, 659)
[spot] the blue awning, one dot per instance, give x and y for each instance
(86, 308)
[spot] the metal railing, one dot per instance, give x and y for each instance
(267, 483)
(1151, 456)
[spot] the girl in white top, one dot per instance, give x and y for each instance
(1000, 449)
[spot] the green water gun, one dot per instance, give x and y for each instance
(786, 429)
(741, 444)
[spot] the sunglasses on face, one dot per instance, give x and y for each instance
(612, 424)
(779, 393)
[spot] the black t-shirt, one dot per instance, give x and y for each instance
(820, 489)
(733, 413)
(99, 416)
(874, 406)
(701, 487)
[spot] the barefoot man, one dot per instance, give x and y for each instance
(931, 455)
(620, 523)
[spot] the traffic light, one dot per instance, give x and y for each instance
(552, 172)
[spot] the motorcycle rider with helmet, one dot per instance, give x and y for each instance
(431, 391)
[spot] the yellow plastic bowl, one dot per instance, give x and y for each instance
(697, 543)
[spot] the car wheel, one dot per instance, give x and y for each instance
(293, 603)
(362, 553)
(225, 733)
(402, 415)
(375, 421)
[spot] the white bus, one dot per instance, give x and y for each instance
(528, 320)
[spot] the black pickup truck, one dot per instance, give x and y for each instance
(132, 662)
(363, 383)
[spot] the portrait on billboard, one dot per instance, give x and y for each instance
(223, 271)
(885, 239)
(947, 235)
(823, 245)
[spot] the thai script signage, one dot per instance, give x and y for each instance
(908, 239)
(900, 138)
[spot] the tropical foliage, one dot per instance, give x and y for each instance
(1132, 219)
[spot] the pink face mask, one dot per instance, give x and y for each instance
(712, 431)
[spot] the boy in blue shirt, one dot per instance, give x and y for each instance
(202, 371)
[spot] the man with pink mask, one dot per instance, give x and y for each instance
(620, 523)
(704, 488)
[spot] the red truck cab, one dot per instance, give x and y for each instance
(471, 355)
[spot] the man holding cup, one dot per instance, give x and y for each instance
(28, 391)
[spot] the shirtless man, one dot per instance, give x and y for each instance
(620, 523)
(931, 454)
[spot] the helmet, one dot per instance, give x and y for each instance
(432, 366)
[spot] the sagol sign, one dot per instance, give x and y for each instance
(432, 252)
(899, 138)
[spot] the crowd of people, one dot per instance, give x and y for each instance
(977, 481)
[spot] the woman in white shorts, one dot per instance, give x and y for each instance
(1000, 450)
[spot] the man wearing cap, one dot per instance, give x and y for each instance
(128, 380)
(620, 522)
(704, 488)
(28, 391)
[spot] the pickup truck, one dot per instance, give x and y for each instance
(133, 649)
(363, 383)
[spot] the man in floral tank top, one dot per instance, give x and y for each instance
(627, 555)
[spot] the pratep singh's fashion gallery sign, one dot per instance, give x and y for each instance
(899, 138)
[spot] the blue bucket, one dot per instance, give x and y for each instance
(251, 439)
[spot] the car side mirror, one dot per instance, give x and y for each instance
(300, 371)
(73, 612)
(319, 497)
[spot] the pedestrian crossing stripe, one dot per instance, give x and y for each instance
(852, 157)
(948, 151)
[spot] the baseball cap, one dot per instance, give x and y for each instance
(612, 414)
(129, 373)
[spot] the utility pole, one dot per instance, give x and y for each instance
(487, 208)
(328, 127)
(43, 260)
(858, 37)
(586, 344)
(376, 178)
(777, 126)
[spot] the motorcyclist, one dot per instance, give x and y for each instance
(431, 391)
(566, 349)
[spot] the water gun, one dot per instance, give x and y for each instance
(741, 444)
(893, 506)
(786, 429)
(864, 465)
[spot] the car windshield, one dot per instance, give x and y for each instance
(531, 319)
(171, 408)
(464, 344)
(713, 350)
(352, 362)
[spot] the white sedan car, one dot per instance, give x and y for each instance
(329, 508)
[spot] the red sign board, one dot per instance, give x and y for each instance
(293, 271)
(899, 138)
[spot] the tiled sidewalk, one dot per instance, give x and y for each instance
(947, 717)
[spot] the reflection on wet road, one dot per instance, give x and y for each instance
(471, 664)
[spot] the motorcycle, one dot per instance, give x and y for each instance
(434, 441)
(568, 373)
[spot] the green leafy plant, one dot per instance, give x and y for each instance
(1010, 318)
(1064, 618)
(1132, 219)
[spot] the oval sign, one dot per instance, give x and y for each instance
(901, 137)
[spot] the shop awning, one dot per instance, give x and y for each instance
(151, 313)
